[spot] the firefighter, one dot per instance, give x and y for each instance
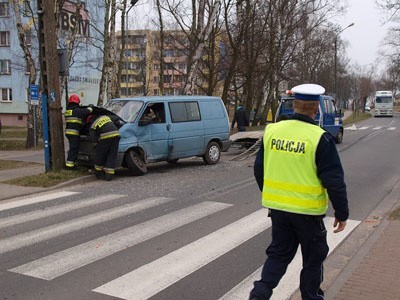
(298, 169)
(74, 119)
(107, 135)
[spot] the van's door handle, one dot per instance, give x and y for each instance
(168, 127)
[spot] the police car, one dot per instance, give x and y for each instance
(328, 117)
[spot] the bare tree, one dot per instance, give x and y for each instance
(30, 67)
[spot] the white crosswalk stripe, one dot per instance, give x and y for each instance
(145, 281)
(34, 200)
(354, 127)
(42, 234)
(65, 261)
(54, 210)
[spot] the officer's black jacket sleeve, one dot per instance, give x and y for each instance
(259, 167)
(330, 172)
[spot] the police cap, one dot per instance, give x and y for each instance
(308, 91)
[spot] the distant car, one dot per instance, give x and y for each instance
(367, 108)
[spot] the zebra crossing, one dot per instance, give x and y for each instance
(147, 280)
(354, 127)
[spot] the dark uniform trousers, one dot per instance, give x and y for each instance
(106, 153)
(74, 142)
(288, 231)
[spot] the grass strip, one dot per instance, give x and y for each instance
(48, 179)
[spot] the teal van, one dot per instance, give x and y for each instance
(164, 128)
(328, 117)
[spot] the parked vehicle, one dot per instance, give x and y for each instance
(383, 104)
(328, 116)
(165, 128)
(367, 108)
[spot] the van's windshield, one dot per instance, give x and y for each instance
(127, 110)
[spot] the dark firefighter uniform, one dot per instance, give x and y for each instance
(107, 135)
(298, 169)
(74, 119)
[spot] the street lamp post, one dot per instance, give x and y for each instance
(335, 71)
(132, 4)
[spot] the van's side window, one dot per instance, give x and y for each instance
(184, 111)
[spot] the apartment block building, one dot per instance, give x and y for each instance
(85, 65)
(142, 64)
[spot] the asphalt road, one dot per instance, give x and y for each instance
(185, 231)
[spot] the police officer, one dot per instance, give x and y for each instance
(297, 169)
(74, 119)
(107, 135)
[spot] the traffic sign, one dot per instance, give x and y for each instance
(34, 91)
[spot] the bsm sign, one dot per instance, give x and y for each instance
(71, 21)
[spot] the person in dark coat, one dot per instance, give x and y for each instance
(75, 116)
(240, 117)
(298, 171)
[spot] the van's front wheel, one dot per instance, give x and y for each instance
(213, 153)
(136, 165)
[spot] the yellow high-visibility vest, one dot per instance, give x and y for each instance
(290, 173)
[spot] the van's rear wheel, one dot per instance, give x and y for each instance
(135, 163)
(339, 137)
(213, 153)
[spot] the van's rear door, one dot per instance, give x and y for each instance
(330, 121)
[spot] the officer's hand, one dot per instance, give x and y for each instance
(91, 105)
(339, 225)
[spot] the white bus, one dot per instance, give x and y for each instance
(383, 104)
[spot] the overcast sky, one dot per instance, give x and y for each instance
(364, 38)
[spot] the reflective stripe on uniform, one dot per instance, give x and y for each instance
(72, 132)
(294, 187)
(73, 120)
(70, 164)
(108, 135)
(109, 171)
(98, 168)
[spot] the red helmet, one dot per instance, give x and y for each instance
(74, 98)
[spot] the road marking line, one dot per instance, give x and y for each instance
(147, 280)
(65, 261)
(391, 128)
(33, 200)
(377, 128)
(290, 281)
(45, 233)
(54, 210)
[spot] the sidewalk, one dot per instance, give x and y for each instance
(8, 191)
(368, 264)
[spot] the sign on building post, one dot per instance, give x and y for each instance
(34, 94)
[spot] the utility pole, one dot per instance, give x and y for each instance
(50, 80)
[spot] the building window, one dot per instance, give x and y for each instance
(156, 66)
(4, 9)
(5, 66)
(28, 37)
(6, 95)
(20, 118)
(4, 38)
(156, 92)
(156, 79)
